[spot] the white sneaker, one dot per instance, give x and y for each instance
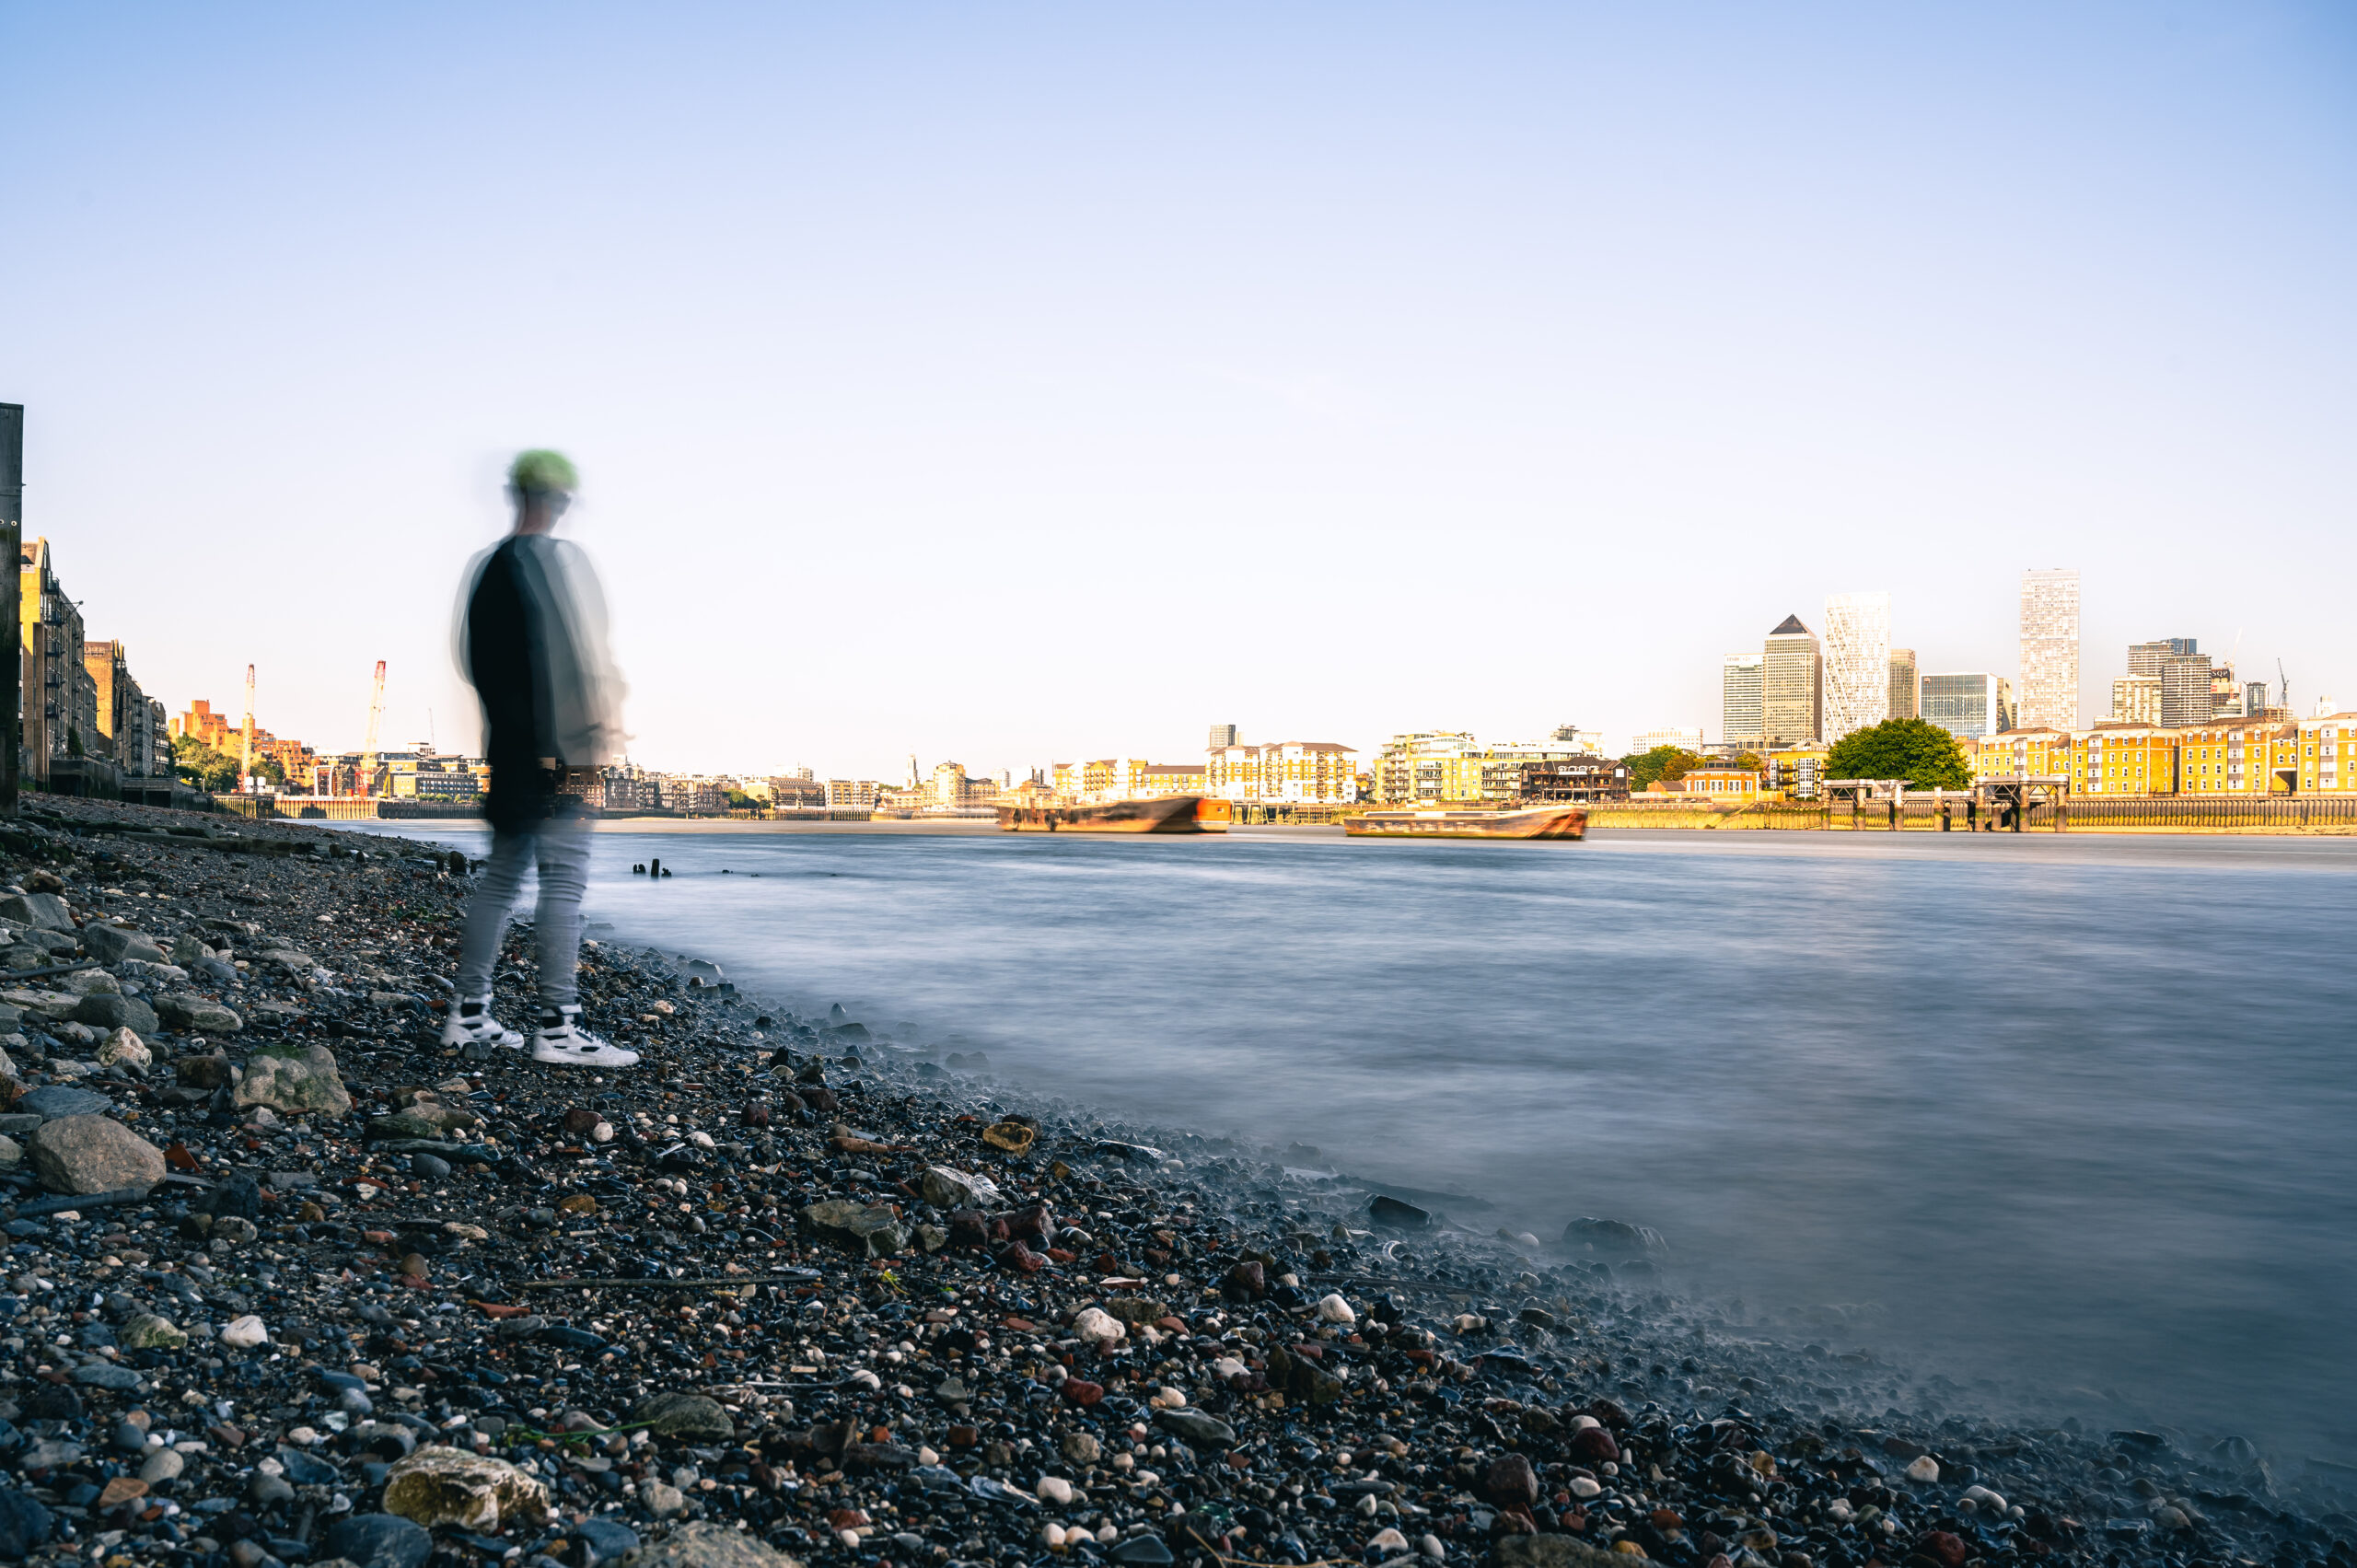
(563, 1039)
(471, 1022)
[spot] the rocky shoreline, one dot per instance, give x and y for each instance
(289, 1284)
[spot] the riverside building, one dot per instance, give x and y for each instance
(60, 699)
(2227, 757)
(2049, 649)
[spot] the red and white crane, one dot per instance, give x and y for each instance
(367, 780)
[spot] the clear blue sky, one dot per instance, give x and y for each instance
(1011, 384)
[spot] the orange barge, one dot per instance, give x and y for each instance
(1170, 814)
(1540, 822)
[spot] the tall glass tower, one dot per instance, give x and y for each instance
(1857, 662)
(2048, 692)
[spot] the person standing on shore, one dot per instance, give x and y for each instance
(532, 639)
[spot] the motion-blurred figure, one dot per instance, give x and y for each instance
(532, 638)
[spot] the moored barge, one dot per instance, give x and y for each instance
(1168, 814)
(1537, 822)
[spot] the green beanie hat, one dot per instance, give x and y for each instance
(543, 472)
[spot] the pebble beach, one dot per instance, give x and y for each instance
(289, 1283)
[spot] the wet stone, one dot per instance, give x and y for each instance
(1153, 1344)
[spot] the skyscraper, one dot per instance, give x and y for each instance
(1904, 692)
(1739, 693)
(1968, 706)
(2049, 681)
(2185, 689)
(1857, 663)
(1792, 688)
(2144, 659)
(1222, 735)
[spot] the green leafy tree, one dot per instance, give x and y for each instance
(73, 740)
(1663, 763)
(739, 801)
(267, 768)
(202, 766)
(1923, 753)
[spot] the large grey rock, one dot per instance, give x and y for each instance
(56, 1006)
(107, 1375)
(53, 1100)
(202, 1072)
(93, 1153)
(945, 1187)
(145, 1330)
(691, 1417)
(707, 1545)
(124, 1048)
(1552, 1551)
(603, 1538)
(293, 1080)
(117, 1013)
(45, 911)
(198, 1016)
(380, 1540)
(1613, 1238)
(872, 1229)
(442, 1486)
(113, 944)
(1195, 1427)
(24, 1525)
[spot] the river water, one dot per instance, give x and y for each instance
(2072, 1115)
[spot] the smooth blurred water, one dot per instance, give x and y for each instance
(2076, 1112)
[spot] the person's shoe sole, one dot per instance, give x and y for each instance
(455, 1033)
(584, 1056)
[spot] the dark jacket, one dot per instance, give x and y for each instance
(532, 639)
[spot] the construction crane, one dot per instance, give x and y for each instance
(246, 749)
(367, 780)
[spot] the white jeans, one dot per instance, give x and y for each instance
(560, 849)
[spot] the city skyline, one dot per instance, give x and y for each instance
(896, 359)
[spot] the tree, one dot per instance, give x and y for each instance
(73, 740)
(739, 801)
(1661, 763)
(1923, 753)
(202, 766)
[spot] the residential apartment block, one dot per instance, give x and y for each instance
(2229, 758)
(2186, 688)
(61, 702)
(2049, 648)
(1283, 773)
(2136, 699)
